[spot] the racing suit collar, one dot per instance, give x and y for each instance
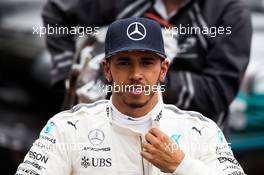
(156, 115)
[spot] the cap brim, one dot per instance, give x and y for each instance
(129, 49)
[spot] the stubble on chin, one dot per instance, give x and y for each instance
(135, 104)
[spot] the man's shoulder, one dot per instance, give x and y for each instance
(191, 117)
(91, 107)
(82, 111)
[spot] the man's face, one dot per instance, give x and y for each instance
(137, 74)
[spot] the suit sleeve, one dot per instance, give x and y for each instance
(212, 90)
(214, 158)
(48, 155)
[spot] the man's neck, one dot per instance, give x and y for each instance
(132, 111)
(172, 5)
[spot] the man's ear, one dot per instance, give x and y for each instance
(164, 69)
(106, 68)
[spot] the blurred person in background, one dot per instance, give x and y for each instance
(247, 110)
(205, 73)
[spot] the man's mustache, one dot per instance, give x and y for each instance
(132, 85)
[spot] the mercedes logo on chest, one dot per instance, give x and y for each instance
(136, 31)
(96, 137)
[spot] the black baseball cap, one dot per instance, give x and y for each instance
(134, 34)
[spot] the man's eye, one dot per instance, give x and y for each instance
(123, 63)
(147, 62)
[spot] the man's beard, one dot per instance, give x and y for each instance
(137, 104)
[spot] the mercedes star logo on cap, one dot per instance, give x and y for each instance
(96, 137)
(136, 31)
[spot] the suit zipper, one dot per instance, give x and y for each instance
(142, 160)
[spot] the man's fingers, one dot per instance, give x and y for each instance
(154, 160)
(155, 131)
(149, 148)
(154, 141)
(151, 158)
(146, 155)
(159, 134)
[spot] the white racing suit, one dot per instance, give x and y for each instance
(86, 141)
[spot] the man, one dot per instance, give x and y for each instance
(247, 110)
(133, 133)
(208, 68)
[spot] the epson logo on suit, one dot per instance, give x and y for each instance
(38, 156)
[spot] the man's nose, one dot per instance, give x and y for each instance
(135, 74)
